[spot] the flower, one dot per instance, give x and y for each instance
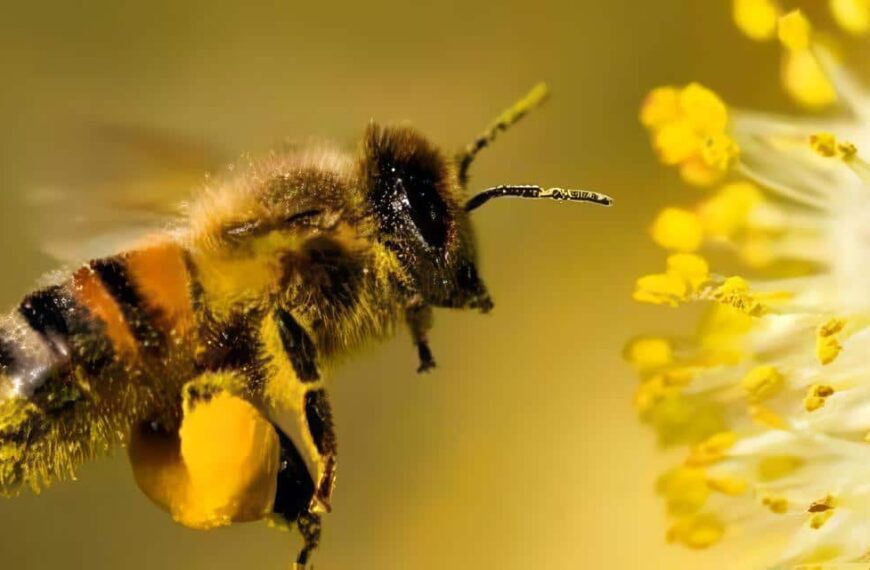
(770, 399)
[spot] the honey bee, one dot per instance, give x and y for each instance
(185, 347)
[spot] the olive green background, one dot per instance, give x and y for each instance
(522, 449)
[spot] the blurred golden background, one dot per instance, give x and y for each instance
(522, 450)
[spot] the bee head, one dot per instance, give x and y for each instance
(418, 197)
(414, 193)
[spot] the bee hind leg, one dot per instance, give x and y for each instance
(309, 527)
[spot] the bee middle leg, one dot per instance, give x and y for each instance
(309, 527)
(318, 421)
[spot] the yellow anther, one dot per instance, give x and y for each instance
(756, 18)
(649, 353)
(776, 467)
(728, 211)
(712, 449)
(828, 347)
(649, 393)
(728, 485)
(816, 396)
(660, 289)
(660, 107)
(684, 489)
(806, 81)
(794, 31)
(766, 417)
(818, 520)
(734, 292)
(824, 144)
(677, 229)
(697, 172)
(699, 531)
(761, 383)
(703, 109)
(825, 504)
(852, 15)
(676, 142)
(693, 269)
(719, 151)
(778, 505)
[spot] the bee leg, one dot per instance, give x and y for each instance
(309, 527)
(419, 319)
(318, 417)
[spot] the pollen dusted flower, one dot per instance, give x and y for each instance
(770, 399)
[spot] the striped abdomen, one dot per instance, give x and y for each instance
(81, 360)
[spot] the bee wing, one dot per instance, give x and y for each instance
(117, 183)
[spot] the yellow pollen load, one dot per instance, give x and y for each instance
(828, 346)
(817, 394)
(688, 128)
(678, 230)
(777, 505)
(852, 15)
(761, 383)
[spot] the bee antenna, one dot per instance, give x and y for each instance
(482, 198)
(507, 119)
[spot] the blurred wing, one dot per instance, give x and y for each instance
(110, 184)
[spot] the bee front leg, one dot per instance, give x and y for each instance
(419, 319)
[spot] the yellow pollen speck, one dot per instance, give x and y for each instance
(761, 383)
(777, 505)
(852, 15)
(699, 531)
(794, 31)
(756, 18)
(828, 346)
(677, 229)
(816, 396)
(728, 486)
(649, 353)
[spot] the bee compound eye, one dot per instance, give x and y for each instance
(427, 209)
